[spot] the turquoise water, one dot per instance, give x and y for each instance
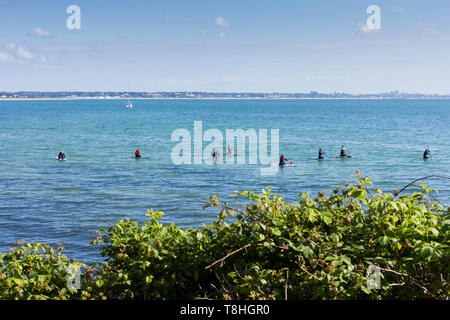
(45, 200)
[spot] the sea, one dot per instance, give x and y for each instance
(50, 201)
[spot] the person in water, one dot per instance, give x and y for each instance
(61, 155)
(137, 154)
(283, 160)
(321, 153)
(215, 154)
(343, 152)
(426, 153)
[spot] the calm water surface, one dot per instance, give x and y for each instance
(44, 200)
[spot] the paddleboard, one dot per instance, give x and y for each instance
(229, 155)
(281, 166)
(318, 159)
(348, 156)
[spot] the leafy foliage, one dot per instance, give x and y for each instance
(262, 247)
(36, 271)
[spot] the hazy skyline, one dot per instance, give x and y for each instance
(225, 46)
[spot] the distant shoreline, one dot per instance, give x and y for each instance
(221, 98)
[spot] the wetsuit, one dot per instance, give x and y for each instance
(426, 153)
(282, 161)
(61, 156)
(137, 154)
(321, 154)
(343, 155)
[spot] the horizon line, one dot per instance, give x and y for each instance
(228, 92)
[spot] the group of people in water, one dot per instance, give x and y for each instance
(342, 154)
(216, 154)
(283, 160)
(62, 156)
(321, 156)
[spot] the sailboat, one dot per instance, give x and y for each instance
(129, 104)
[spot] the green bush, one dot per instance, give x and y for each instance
(38, 272)
(262, 247)
(318, 248)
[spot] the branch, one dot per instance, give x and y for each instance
(228, 255)
(232, 209)
(412, 281)
(432, 197)
(414, 181)
(303, 268)
(396, 284)
(223, 206)
(240, 249)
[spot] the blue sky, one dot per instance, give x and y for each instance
(215, 45)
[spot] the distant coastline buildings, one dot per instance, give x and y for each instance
(212, 95)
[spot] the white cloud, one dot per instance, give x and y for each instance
(38, 32)
(221, 22)
(363, 28)
(19, 54)
(202, 31)
(25, 54)
(221, 34)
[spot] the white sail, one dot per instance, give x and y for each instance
(129, 104)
